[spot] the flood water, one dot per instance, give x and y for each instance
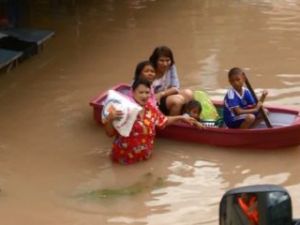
(52, 153)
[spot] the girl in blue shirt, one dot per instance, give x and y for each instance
(240, 108)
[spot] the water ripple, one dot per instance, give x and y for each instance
(270, 179)
(283, 15)
(196, 194)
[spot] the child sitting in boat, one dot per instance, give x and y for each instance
(193, 109)
(240, 108)
(145, 70)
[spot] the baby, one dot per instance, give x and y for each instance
(193, 109)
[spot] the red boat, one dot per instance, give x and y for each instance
(284, 133)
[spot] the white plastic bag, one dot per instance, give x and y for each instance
(130, 111)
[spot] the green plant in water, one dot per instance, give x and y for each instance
(147, 183)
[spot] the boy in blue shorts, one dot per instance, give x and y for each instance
(240, 108)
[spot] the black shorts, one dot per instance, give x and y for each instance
(163, 106)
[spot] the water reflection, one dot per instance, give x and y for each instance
(210, 67)
(192, 186)
(197, 184)
(284, 15)
(278, 179)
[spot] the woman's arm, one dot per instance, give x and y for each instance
(165, 93)
(174, 81)
(174, 119)
(109, 129)
(171, 84)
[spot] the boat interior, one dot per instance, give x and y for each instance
(277, 118)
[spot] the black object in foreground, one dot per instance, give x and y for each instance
(257, 205)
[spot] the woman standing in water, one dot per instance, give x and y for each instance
(139, 144)
(166, 83)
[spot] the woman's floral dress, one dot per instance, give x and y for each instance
(139, 144)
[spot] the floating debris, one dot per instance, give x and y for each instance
(148, 182)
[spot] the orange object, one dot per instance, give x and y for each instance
(249, 208)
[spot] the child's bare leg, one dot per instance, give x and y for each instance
(248, 122)
(259, 118)
(256, 122)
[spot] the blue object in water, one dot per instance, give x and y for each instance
(8, 56)
(28, 34)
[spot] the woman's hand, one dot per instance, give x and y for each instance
(188, 119)
(185, 119)
(113, 114)
(199, 125)
(159, 95)
(193, 122)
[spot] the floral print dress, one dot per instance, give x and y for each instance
(139, 144)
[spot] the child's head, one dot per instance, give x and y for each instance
(193, 108)
(236, 77)
(162, 58)
(144, 70)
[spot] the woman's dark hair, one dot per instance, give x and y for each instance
(190, 105)
(139, 68)
(159, 52)
(235, 71)
(139, 82)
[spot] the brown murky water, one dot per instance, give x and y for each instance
(52, 153)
